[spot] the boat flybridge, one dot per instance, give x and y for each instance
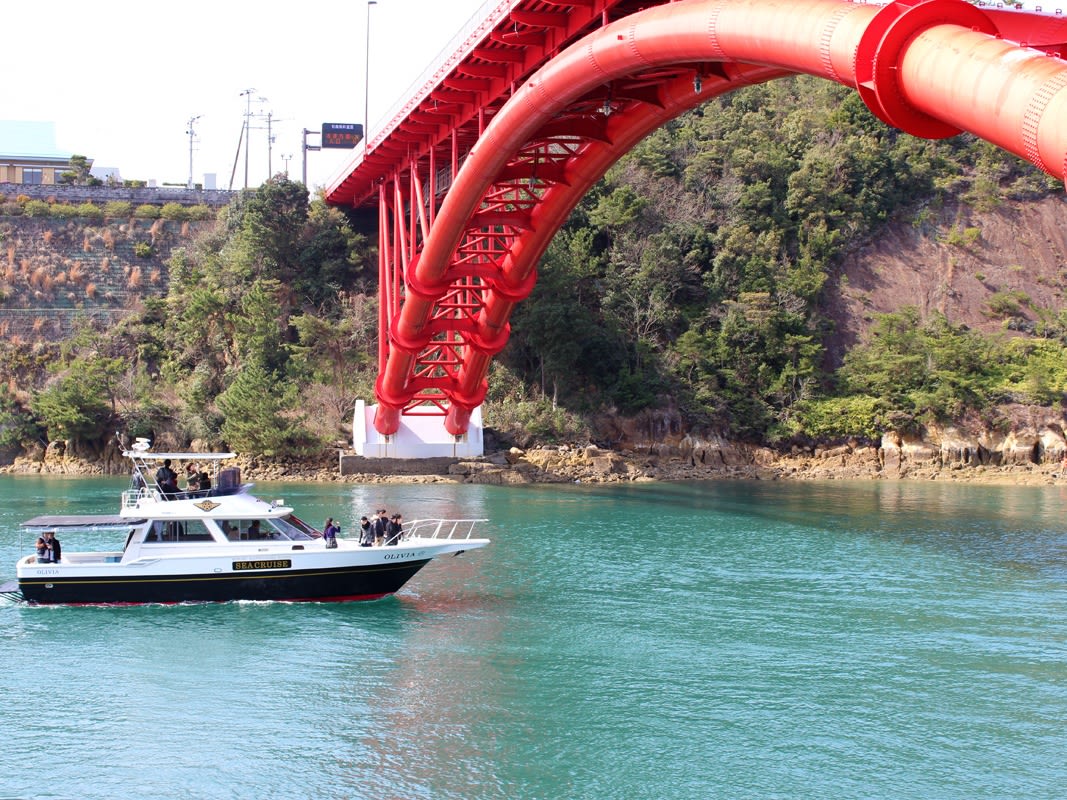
(220, 544)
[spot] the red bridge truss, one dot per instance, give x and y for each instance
(480, 168)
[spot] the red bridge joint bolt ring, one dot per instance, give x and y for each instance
(488, 343)
(515, 294)
(881, 48)
(431, 293)
(411, 344)
(391, 399)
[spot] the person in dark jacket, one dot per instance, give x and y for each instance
(53, 551)
(381, 527)
(394, 529)
(366, 532)
(167, 479)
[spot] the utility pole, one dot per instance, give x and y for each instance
(286, 159)
(270, 147)
(192, 141)
(304, 149)
(247, 94)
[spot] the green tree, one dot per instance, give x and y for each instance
(258, 414)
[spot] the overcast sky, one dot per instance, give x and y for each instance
(121, 78)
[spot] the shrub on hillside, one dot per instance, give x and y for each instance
(90, 211)
(64, 210)
(118, 208)
(174, 211)
(200, 212)
(10, 210)
(146, 211)
(142, 250)
(37, 208)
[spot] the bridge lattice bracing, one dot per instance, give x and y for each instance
(477, 173)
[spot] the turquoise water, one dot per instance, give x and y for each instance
(712, 640)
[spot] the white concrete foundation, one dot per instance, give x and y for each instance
(417, 437)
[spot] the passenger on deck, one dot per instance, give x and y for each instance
(167, 479)
(192, 478)
(49, 551)
(204, 480)
(394, 529)
(254, 531)
(381, 526)
(366, 532)
(329, 533)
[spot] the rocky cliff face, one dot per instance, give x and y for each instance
(956, 261)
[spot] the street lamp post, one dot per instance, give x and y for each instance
(366, 84)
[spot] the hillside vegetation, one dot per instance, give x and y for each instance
(750, 267)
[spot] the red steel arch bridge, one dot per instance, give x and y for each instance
(481, 165)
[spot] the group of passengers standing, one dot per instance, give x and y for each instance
(382, 530)
(196, 480)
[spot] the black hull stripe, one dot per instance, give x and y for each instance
(233, 576)
(308, 585)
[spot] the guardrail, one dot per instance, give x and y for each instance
(442, 528)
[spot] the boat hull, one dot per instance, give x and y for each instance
(339, 584)
(348, 573)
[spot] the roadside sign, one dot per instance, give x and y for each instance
(342, 135)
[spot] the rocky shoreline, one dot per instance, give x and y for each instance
(1035, 460)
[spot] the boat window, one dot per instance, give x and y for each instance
(289, 530)
(294, 521)
(248, 530)
(185, 530)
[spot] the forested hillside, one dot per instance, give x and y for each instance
(776, 266)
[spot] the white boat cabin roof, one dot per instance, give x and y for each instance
(150, 456)
(237, 505)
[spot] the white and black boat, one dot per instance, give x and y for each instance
(221, 544)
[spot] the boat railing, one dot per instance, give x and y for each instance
(132, 497)
(441, 528)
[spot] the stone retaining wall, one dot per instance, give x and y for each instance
(156, 196)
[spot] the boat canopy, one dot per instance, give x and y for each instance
(83, 521)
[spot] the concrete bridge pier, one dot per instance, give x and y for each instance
(417, 437)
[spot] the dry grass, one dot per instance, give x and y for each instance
(90, 291)
(77, 273)
(109, 239)
(105, 264)
(134, 280)
(86, 245)
(38, 324)
(11, 255)
(47, 237)
(155, 277)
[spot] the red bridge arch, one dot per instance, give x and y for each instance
(477, 173)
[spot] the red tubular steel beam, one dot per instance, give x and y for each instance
(929, 67)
